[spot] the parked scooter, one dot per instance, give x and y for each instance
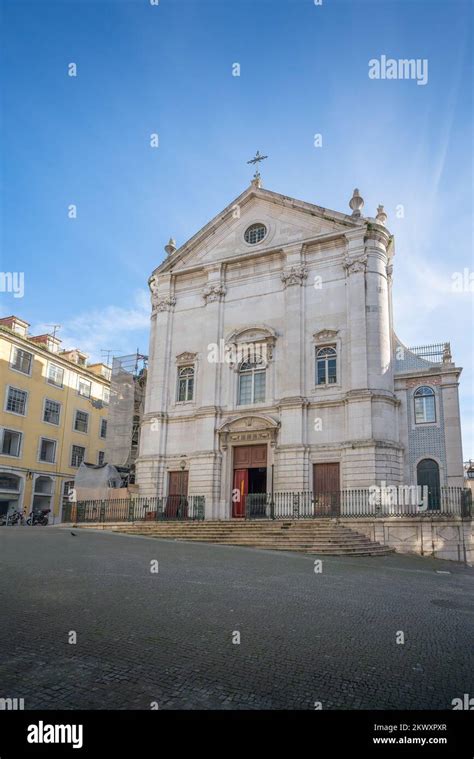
(39, 517)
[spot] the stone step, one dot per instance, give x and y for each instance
(313, 537)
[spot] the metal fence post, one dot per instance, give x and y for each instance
(131, 510)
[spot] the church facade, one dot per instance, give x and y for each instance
(274, 365)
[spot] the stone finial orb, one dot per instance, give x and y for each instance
(171, 247)
(381, 215)
(356, 203)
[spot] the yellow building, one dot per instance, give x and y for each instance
(53, 416)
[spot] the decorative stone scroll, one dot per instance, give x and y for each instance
(165, 304)
(295, 275)
(214, 292)
(352, 266)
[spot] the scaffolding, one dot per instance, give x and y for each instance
(127, 394)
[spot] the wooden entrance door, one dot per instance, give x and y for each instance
(177, 502)
(326, 489)
(239, 494)
(245, 457)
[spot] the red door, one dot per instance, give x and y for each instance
(241, 484)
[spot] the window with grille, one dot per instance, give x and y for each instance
(185, 383)
(68, 490)
(52, 411)
(16, 401)
(255, 233)
(81, 421)
(11, 443)
(47, 450)
(252, 382)
(55, 375)
(101, 458)
(21, 361)
(425, 407)
(84, 388)
(77, 455)
(326, 366)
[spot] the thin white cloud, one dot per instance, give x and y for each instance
(112, 328)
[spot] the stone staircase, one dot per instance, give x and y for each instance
(318, 536)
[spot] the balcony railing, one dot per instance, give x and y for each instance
(361, 502)
(436, 352)
(137, 509)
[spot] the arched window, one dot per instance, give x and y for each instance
(10, 482)
(326, 366)
(252, 381)
(425, 408)
(185, 383)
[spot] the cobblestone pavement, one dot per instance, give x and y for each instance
(167, 637)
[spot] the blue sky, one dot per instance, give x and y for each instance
(167, 69)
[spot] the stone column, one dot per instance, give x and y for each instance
(290, 465)
(150, 462)
(379, 339)
(208, 478)
(355, 265)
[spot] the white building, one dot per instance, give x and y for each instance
(273, 362)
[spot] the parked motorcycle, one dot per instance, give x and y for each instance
(14, 517)
(39, 517)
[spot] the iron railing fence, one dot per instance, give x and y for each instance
(136, 509)
(353, 503)
(360, 502)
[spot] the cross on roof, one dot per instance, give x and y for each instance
(256, 160)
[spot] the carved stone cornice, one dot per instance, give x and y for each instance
(186, 358)
(214, 292)
(325, 334)
(248, 429)
(295, 275)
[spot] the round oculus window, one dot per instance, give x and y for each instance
(255, 233)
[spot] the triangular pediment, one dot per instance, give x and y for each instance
(286, 220)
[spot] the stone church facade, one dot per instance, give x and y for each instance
(274, 365)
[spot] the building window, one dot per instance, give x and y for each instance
(51, 412)
(16, 401)
(425, 409)
(84, 388)
(42, 494)
(21, 361)
(68, 492)
(55, 375)
(11, 443)
(100, 458)
(326, 366)
(255, 233)
(47, 450)
(77, 455)
(106, 396)
(185, 383)
(252, 382)
(103, 428)
(81, 421)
